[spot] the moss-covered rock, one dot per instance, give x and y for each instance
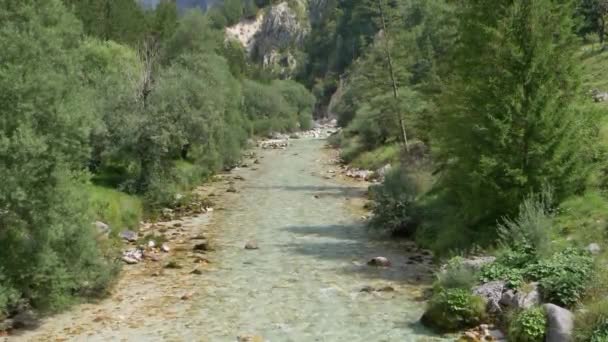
(454, 309)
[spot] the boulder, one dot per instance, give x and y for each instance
(379, 262)
(492, 293)
(251, 245)
(594, 249)
(128, 235)
(560, 323)
(523, 299)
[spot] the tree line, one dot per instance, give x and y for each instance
(106, 93)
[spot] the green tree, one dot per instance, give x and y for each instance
(508, 121)
(48, 251)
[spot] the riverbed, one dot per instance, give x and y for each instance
(303, 283)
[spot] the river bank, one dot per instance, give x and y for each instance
(307, 281)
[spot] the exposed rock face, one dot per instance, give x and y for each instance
(280, 32)
(560, 323)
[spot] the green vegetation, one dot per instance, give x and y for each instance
(453, 309)
(528, 326)
(110, 112)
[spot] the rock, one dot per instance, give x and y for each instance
(177, 224)
(599, 96)
(196, 271)
(523, 299)
(240, 178)
(383, 171)
(167, 213)
(379, 262)
(151, 244)
(274, 144)
(368, 289)
(232, 189)
(492, 293)
(201, 246)
(102, 228)
(560, 323)
(594, 249)
(132, 256)
(128, 235)
(187, 296)
(251, 245)
(249, 338)
(165, 248)
(173, 265)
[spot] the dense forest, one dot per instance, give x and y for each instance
(111, 110)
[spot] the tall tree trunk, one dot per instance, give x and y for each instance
(387, 51)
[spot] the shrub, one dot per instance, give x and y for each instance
(563, 276)
(394, 205)
(454, 309)
(456, 276)
(497, 271)
(591, 324)
(528, 326)
(530, 230)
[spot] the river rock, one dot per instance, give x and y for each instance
(379, 262)
(560, 323)
(594, 249)
(128, 235)
(249, 338)
(202, 246)
(165, 248)
(132, 256)
(251, 245)
(102, 228)
(492, 293)
(522, 299)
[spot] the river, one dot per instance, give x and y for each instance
(302, 284)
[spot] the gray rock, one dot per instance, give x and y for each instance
(560, 323)
(102, 228)
(594, 249)
(251, 245)
(492, 293)
(379, 262)
(128, 235)
(522, 299)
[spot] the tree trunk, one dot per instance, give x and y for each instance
(389, 58)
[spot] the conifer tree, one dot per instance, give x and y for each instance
(508, 125)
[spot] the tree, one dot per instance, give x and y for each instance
(48, 251)
(594, 14)
(509, 125)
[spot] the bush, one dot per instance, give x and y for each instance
(528, 326)
(456, 276)
(454, 309)
(563, 277)
(591, 324)
(394, 205)
(530, 230)
(497, 271)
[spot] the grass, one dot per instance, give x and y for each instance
(584, 218)
(117, 209)
(375, 159)
(595, 67)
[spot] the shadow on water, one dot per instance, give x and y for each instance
(321, 191)
(352, 244)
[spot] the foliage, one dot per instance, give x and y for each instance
(47, 245)
(528, 326)
(394, 205)
(452, 309)
(514, 127)
(456, 276)
(591, 324)
(497, 271)
(531, 230)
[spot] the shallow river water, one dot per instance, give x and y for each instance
(304, 281)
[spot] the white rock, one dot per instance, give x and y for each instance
(594, 249)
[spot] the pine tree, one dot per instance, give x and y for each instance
(508, 123)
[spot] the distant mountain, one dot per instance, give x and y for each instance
(182, 5)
